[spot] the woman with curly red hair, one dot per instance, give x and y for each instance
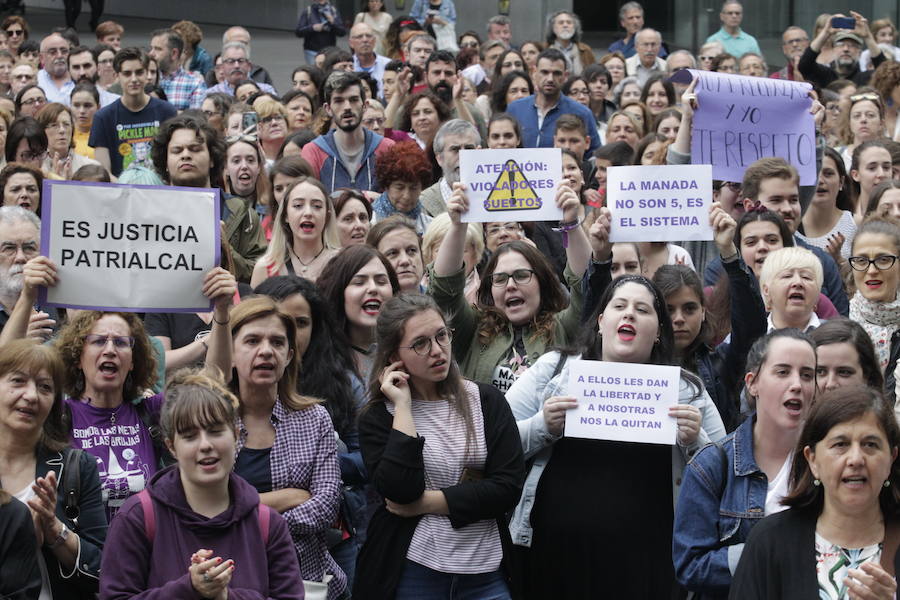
(403, 172)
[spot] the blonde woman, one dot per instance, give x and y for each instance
(273, 126)
(304, 236)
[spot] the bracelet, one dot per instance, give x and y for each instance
(565, 228)
(217, 322)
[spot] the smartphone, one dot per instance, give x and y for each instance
(249, 122)
(843, 22)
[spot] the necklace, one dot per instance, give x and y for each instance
(306, 266)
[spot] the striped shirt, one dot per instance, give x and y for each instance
(436, 544)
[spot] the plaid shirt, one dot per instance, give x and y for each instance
(184, 89)
(304, 456)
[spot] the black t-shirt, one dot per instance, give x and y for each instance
(128, 135)
(255, 465)
(180, 328)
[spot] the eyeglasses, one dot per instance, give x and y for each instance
(234, 61)
(15, 32)
(882, 263)
(422, 346)
(510, 227)
(28, 156)
(271, 118)
(797, 41)
(520, 276)
(578, 92)
(57, 51)
(120, 342)
(10, 249)
(866, 96)
(731, 185)
(233, 139)
(469, 45)
(31, 101)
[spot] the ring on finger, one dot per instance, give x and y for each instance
(206, 577)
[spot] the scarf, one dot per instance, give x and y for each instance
(383, 208)
(880, 320)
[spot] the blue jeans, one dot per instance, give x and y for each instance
(344, 554)
(310, 56)
(419, 582)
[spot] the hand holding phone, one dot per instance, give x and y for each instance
(249, 123)
(843, 23)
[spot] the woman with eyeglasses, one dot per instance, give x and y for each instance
(444, 453)
(106, 75)
(26, 143)
(576, 88)
(110, 375)
(215, 106)
(273, 126)
(58, 123)
(29, 100)
(16, 29)
(521, 308)
(875, 305)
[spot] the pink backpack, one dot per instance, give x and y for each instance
(150, 517)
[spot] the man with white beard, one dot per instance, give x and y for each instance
(564, 34)
(453, 136)
(20, 232)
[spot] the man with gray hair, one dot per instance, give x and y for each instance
(499, 27)
(564, 34)
(236, 61)
(631, 19)
(647, 61)
(240, 34)
(453, 136)
(20, 233)
(678, 61)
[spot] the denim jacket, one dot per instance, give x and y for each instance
(526, 399)
(706, 551)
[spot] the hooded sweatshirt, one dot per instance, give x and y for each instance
(135, 567)
(323, 155)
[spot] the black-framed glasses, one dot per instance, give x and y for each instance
(882, 262)
(120, 342)
(422, 346)
(520, 276)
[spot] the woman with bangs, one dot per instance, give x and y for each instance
(304, 236)
(284, 173)
(521, 308)
(791, 281)
(273, 126)
(59, 126)
(198, 529)
(358, 282)
(35, 458)
(286, 446)
(110, 374)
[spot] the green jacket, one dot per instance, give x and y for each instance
(478, 361)
(245, 235)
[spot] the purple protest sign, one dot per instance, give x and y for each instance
(742, 119)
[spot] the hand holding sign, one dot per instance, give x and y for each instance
(688, 419)
(601, 247)
(555, 409)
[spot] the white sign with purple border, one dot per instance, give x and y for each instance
(132, 248)
(667, 203)
(624, 402)
(511, 185)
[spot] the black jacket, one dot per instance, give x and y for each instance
(20, 577)
(822, 75)
(779, 559)
(394, 461)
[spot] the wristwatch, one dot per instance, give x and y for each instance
(61, 538)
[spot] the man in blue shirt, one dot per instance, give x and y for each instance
(537, 114)
(631, 18)
(735, 41)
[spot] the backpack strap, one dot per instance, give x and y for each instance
(889, 548)
(264, 516)
(563, 357)
(151, 424)
(149, 514)
(72, 483)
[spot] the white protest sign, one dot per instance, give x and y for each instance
(623, 401)
(511, 185)
(130, 248)
(667, 203)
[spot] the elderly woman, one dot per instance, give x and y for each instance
(304, 237)
(791, 280)
(38, 467)
(59, 126)
(434, 237)
(403, 172)
(211, 531)
(273, 126)
(839, 538)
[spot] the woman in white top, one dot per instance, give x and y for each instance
(828, 222)
(375, 16)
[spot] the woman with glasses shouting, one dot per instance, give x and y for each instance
(110, 372)
(875, 305)
(444, 453)
(521, 308)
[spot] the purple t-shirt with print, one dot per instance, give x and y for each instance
(120, 443)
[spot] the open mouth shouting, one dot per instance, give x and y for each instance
(371, 307)
(794, 407)
(108, 369)
(626, 332)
